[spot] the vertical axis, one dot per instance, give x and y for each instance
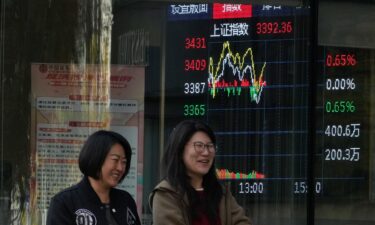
(2, 53)
(314, 9)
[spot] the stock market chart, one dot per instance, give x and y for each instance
(245, 70)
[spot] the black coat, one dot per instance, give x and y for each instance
(80, 205)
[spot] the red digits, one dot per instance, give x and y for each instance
(195, 42)
(195, 64)
(274, 27)
(340, 60)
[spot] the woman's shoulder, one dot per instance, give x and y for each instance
(165, 188)
(117, 192)
(121, 197)
(165, 194)
(164, 185)
(67, 192)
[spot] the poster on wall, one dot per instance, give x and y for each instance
(68, 103)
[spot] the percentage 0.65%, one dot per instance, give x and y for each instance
(333, 60)
(340, 106)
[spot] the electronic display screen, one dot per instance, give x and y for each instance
(244, 69)
(343, 108)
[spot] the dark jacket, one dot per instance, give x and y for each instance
(169, 207)
(80, 204)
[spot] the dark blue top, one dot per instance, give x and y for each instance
(80, 205)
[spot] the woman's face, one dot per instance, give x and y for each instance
(199, 154)
(113, 167)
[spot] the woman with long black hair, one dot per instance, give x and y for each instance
(191, 193)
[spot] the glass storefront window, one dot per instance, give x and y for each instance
(286, 85)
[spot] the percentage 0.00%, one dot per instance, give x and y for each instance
(340, 84)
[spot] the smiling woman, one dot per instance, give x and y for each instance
(191, 193)
(105, 161)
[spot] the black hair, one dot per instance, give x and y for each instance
(96, 149)
(176, 170)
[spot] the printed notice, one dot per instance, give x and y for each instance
(69, 102)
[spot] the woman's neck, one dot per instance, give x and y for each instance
(196, 182)
(100, 190)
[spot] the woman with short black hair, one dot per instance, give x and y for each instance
(191, 193)
(104, 161)
(95, 150)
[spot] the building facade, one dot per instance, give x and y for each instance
(286, 86)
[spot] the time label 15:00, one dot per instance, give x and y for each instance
(301, 187)
(194, 109)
